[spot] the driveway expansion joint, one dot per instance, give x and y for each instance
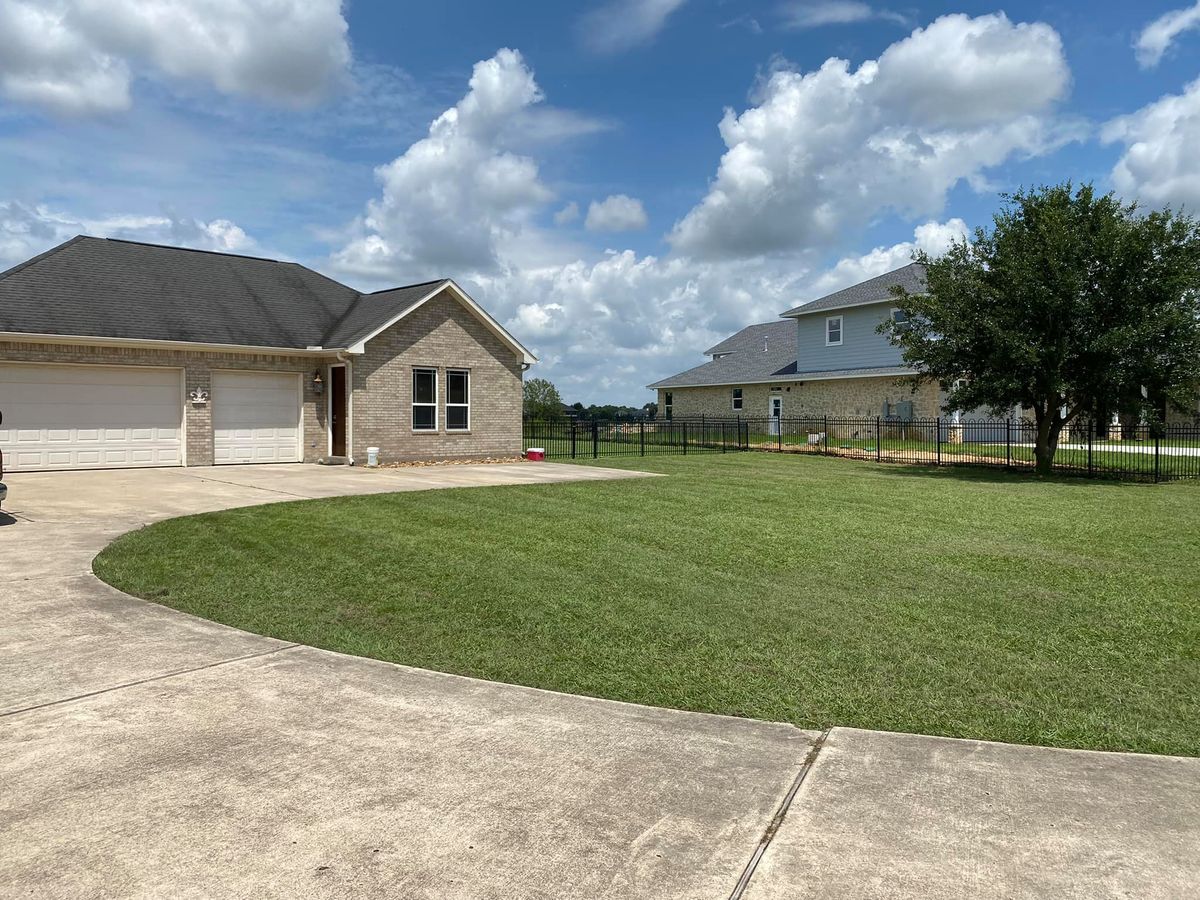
(776, 822)
(4, 714)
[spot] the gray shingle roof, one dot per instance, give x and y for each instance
(873, 290)
(747, 360)
(370, 311)
(101, 287)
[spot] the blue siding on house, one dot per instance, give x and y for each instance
(861, 347)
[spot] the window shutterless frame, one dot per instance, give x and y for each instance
(424, 399)
(667, 398)
(737, 398)
(458, 400)
(833, 331)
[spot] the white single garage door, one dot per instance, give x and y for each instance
(90, 417)
(256, 417)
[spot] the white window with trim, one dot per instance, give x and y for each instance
(900, 321)
(737, 399)
(833, 331)
(458, 400)
(668, 404)
(424, 400)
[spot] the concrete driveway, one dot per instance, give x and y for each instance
(147, 753)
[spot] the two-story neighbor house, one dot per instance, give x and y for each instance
(824, 358)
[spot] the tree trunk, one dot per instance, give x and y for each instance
(1049, 428)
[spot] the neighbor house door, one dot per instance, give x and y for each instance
(776, 408)
(337, 411)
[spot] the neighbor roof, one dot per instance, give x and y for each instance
(873, 290)
(747, 360)
(126, 290)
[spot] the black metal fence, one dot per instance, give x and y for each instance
(1138, 452)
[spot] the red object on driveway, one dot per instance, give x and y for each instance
(536, 454)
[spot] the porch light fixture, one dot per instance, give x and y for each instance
(318, 384)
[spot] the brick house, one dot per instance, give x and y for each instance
(122, 354)
(823, 358)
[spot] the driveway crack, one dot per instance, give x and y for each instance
(161, 677)
(777, 821)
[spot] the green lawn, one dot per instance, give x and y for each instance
(811, 590)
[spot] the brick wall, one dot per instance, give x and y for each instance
(835, 397)
(441, 335)
(198, 367)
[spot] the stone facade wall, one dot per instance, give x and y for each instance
(834, 397)
(440, 335)
(198, 366)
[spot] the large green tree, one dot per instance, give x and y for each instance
(1071, 304)
(542, 400)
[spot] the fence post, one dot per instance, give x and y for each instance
(739, 433)
(722, 435)
(825, 436)
(573, 428)
(779, 433)
(642, 437)
(937, 427)
(1091, 428)
(878, 441)
(1157, 469)
(683, 426)
(1008, 443)
(595, 439)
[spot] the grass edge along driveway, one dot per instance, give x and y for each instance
(808, 590)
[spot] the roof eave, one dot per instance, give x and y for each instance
(898, 372)
(85, 340)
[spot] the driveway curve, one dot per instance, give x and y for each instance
(146, 752)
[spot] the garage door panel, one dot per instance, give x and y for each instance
(77, 417)
(256, 417)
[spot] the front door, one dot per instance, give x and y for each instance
(776, 408)
(337, 410)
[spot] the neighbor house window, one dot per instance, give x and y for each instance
(424, 400)
(900, 320)
(833, 331)
(458, 400)
(737, 398)
(667, 398)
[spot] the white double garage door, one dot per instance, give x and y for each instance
(103, 417)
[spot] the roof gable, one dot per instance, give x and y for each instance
(408, 305)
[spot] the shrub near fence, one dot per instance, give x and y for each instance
(1140, 452)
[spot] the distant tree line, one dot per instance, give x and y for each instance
(543, 401)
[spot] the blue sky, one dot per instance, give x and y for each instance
(622, 183)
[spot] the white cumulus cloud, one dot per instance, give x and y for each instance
(1157, 37)
(830, 149)
(622, 24)
(455, 196)
(1160, 164)
(618, 212)
(81, 56)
